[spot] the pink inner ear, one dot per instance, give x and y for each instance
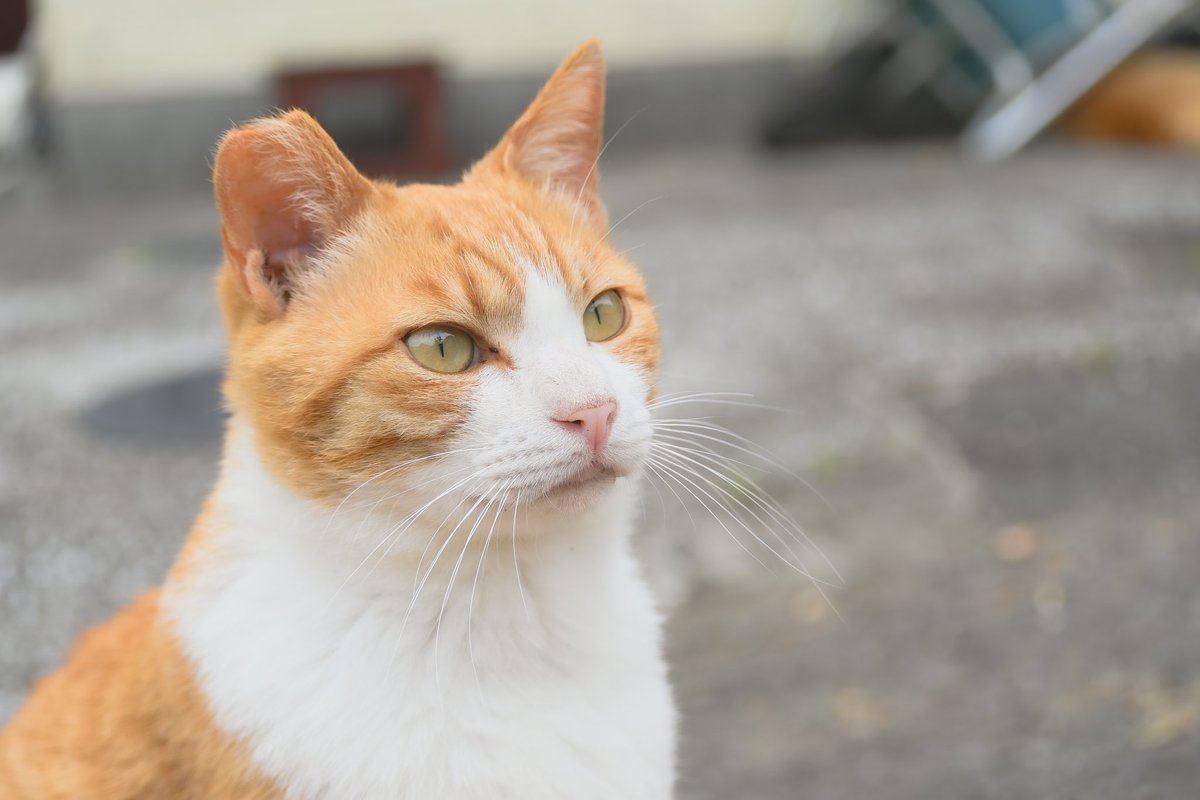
(557, 141)
(291, 256)
(282, 231)
(282, 241)
(282, 187)
(275, 223)
(279, 240)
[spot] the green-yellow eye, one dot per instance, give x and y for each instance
(441, 349)
(604, 317)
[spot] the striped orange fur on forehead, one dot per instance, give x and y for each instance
(326, 271)
(288, 197)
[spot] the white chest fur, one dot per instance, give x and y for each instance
(551, 689)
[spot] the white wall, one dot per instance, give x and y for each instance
(97, 49)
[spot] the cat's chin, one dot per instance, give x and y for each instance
(580, 491)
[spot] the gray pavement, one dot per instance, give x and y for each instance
(994, 384)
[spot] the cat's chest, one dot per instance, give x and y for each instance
(352, 699)
(525, 738)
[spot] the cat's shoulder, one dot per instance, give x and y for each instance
(146, 732)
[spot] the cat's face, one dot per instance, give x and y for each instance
(486, 329)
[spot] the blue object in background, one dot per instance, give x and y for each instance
(1030, 22)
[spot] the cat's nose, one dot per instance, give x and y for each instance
(593, 422)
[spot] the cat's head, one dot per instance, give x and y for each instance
(486, 327)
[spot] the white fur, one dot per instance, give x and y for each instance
(358, 672)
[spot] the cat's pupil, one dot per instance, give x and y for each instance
(441, 343)
(596, 311)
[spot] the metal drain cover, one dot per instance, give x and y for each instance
(181, 410)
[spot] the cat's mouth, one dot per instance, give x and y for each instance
(576, 490)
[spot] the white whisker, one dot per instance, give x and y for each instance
(682, 503)
(395, 496)
(434, 536)
(704, 431)
(516, 561)
(433, 564)
(670, 473)
(437, 636)
(636, 209)
(734, 403)
(596, 162)
(681, 461)
(683, 439)
(699, 427)
(387, 471)
(682, 472)
(689, 396)
(392, 534)
(475, 586)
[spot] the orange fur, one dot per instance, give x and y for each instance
(1151, 99)
(123, 719)
(324, 273)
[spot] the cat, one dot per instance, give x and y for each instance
(1151, 99)
(413, 578)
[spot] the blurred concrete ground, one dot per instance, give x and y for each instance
(996, 382)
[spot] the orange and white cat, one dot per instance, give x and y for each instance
(413, 578)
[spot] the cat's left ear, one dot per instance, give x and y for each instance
(283, 190)
(557, 141)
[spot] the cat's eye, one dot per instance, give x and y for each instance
(604, 317)
(441, 349)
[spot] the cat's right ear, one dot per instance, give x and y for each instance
(283, 190)
(557, 142)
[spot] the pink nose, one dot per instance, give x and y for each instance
(594, 422)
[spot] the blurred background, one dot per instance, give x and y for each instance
(957, 240)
